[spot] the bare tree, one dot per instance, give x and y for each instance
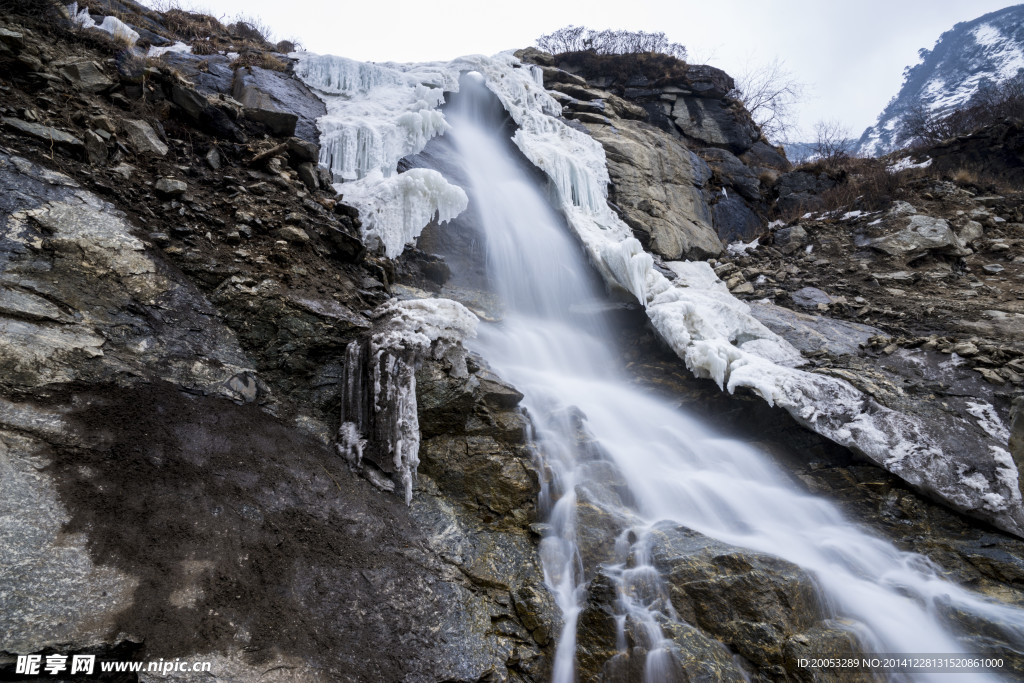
(770, 92)
(833, 142)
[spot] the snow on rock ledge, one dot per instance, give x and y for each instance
(379, 422)
(713, 332)
(717, 337)
(112, 25)
(395, 210)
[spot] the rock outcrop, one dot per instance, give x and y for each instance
(686, 161)
(923, 319)
(174, 314)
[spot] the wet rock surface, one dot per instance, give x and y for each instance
(174, 314)
(688, 168)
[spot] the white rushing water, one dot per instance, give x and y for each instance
(676, 469)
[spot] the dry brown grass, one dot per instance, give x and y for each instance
(204, 47)
(964, 176)
(264, 60)
(192, 25)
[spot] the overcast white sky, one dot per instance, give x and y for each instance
(850, 54)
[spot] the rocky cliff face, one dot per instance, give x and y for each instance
(970, 56)
(688, 166)
(177, 293)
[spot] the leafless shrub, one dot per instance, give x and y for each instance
(769, 92)
(609, 42)
(832, 142)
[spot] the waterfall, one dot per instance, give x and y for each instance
(675, 468)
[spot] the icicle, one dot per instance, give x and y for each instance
(630, 264)
(379, 419)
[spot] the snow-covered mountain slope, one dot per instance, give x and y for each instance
(986, 50)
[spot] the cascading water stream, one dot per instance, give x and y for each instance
(676, 469)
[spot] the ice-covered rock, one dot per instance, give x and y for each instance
(379, 420)
(394, 210)
(714, 333)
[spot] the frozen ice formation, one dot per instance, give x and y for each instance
(712, 331)
(379, 382)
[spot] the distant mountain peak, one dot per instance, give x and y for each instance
(986, 50)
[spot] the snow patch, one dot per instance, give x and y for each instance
(178, 48)
(989, 420)
(740, 248)
(112, 25)
(907, 162)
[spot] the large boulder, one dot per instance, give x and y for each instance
(655, 186)
(280, 101)
(761, 606)
(734, 220)
(921, 235)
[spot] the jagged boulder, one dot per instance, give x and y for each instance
(715, 122)
(279, 101)
(921, 235)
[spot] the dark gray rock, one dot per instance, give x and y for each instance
(734, 173)
(716, 123)
(15, 40)
(326, 178)
(143, 138)
(170, 187)
(213, 159)
(811, 333)
(87, 76)
(734, 220)
(789, 239)
(280, 101)
(763, 155)
(215, 76)
(197, 108)
(810, 297)
(300, 151)
(308, 176)
(95, 148)
(45, 134)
